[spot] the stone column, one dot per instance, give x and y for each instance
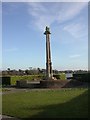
(49, 73)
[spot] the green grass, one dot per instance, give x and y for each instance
(65, 103)
(26, 77)
(60, 76)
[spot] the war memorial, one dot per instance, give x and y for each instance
(49, 81)
(44, 93)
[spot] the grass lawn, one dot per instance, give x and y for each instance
(65, 103)
(26, 77)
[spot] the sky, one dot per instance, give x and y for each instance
(23, 41)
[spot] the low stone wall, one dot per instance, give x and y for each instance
(26, 84)
(22, 83)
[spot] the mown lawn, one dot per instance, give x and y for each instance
(65, 103)
(25, 77)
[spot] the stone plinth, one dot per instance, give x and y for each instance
(53, 83)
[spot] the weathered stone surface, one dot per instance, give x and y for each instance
(53, 83)
(49, 84)
(49, 73)
(21, 83)
(26, 84)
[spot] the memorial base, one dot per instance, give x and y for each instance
(53, 83)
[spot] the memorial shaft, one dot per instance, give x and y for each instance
(48, 55)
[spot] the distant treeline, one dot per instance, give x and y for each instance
(33, 71)
(36, 71)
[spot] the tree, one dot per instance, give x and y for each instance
(8, 71)
(27, 72)
(20, 72)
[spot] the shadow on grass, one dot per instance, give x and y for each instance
(75, 108)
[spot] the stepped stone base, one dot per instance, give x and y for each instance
(53, 83)
(49, 84)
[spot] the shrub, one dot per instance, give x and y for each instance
(62, 76)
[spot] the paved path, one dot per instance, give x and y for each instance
(5, 117)
(17, 90)
(12, 90)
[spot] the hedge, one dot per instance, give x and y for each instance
(83, 77)
(5, 80)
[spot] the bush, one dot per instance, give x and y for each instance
(62, 76)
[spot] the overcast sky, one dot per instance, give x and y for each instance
(24, 42)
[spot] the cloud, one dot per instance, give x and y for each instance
(41, 15)
(74, 56)
(78, 30)
(48, 13)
